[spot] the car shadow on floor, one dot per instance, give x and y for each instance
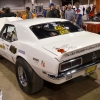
(70, 90)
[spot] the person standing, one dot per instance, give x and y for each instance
(29, 14)
(87, 13)
(44, 12)
(89, 8)
(70, 13)
(8, 13)
(53, 12)
(3, 10)
(61, 12)
(83, 10)
(63, 15)
(56, 12)
(50, 11)
(79, 14)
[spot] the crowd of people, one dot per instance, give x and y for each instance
(6, 12)
(66, 12)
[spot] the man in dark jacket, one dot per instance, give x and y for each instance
(50, 12)
(53, 12)
(8, 13)
(56, 12)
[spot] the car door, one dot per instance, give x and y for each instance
(8, 37)
(1, 43)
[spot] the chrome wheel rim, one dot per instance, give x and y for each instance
(22, 76)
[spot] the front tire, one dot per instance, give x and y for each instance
(28, 80)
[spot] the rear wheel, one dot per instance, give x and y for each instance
(28, 80)
(1, 57)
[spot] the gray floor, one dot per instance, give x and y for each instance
(81, 88)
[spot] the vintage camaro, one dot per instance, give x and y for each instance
(48, 49)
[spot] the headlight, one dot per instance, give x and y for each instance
(70, 64)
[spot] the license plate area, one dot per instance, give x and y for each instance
(90, 69)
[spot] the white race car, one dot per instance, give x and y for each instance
(48, 49)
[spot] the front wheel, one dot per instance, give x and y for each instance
(28, 80)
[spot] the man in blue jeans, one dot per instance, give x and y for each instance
(79, 14)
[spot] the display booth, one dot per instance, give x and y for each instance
(97, 5)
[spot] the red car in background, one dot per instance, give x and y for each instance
(93, 25)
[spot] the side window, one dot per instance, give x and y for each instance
(9, 33)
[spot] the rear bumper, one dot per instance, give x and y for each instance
(71, 74)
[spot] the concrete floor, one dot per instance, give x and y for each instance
(81, 88)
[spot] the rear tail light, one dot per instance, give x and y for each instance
(65, 66)
(70, 64)
(76, 62)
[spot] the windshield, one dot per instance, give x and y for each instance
(54, 29)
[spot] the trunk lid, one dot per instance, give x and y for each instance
(73, 45)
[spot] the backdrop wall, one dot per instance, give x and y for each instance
(15, 4)
(21, 4)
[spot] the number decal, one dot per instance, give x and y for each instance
(2, 46)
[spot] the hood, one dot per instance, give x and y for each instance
(73, 45)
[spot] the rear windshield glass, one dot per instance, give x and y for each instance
(54, 29)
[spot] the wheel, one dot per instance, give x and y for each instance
(1, 57)
(28, 80)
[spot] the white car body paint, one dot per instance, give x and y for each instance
(29, 46)
(8, 19)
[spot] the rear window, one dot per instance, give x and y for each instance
(54, 29)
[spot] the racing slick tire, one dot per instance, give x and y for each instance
(28, 80)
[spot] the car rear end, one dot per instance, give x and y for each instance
(75, 58)
(80, 66)
(76, 51)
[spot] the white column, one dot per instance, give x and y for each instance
(94, 2)
(33, 1)
(50, 1)
(72, 3)
(88, 2)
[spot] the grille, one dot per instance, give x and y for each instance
(89, 58)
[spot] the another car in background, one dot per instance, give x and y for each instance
(93, 25)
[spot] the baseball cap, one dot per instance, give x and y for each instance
(51, 4)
